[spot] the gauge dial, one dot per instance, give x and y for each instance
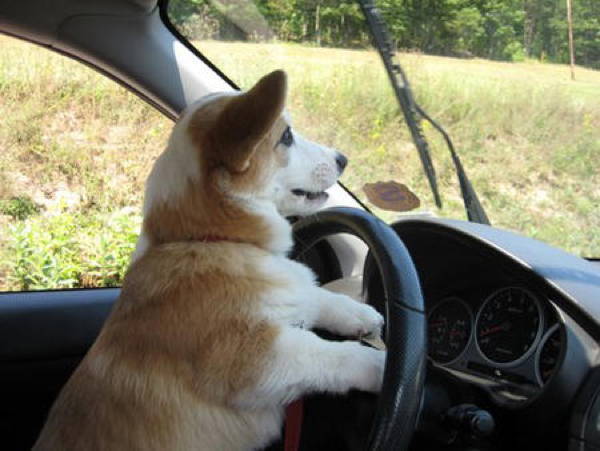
(549, 354)
(449, 328)
(508, 325)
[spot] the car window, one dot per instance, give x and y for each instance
(75, 149)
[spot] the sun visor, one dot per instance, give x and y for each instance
(40, 20)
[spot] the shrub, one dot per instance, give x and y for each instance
(20, 207)
(70, 250)
(515, 52)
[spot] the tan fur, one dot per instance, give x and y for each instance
(243, 126)
(180, 303)
(167, 347)
(204, 210)
(168, 341)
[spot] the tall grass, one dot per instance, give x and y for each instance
(78, 147)
(529, 136)
(75, 148)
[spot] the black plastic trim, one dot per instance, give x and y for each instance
(53, 324)
(163, 6)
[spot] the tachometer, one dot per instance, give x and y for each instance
(449, 328)
(508, 325)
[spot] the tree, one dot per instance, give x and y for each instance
(496, 29)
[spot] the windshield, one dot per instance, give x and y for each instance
(528, 135)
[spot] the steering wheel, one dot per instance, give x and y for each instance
(400, 397)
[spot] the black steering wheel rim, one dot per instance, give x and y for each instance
(400, 397)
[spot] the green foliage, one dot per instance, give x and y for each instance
(70, 250)
(515, 52)
(509, 30)
(19, 207)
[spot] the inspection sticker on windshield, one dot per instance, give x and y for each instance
(391, 196)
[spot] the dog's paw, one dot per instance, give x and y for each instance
(365, 321)
(369, 366)
(345, 316)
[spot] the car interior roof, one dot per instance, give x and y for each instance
(45, 17)
(124, 39)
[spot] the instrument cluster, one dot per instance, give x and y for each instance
(510, 342)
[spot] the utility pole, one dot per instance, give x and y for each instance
(571, 50)
(318, 24)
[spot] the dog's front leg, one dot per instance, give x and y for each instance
(302, 362)
(343, 315)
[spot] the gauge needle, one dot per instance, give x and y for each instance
(492, 330)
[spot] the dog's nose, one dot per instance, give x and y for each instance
(341, 162)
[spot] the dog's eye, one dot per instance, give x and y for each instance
(287, 138)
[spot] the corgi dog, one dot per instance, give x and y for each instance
(211, 336)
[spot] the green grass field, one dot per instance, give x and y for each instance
(75, 148)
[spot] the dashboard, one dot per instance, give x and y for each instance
(507, 321)
(507, 339)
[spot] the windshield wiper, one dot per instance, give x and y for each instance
(413, 114)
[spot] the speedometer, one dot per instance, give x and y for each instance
(508, 325)
(449, 328)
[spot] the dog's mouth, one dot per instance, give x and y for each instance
(310, 195)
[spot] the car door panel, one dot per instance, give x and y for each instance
(43, 337)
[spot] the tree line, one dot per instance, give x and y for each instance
(510, 30)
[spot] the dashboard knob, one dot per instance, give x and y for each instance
(471, 419)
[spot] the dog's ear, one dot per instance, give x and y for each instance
(247, 118)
